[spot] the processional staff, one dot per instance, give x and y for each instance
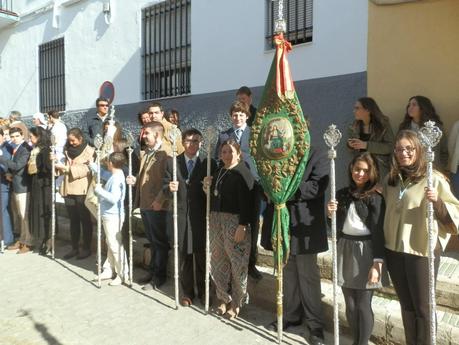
(98, 142)
(53, 193)
(332, 137)
(173, 135)
(430, 136)
(211, 135)
(130, 143)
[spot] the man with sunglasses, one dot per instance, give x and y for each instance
(94, 122)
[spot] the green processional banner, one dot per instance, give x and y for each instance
(280, 145)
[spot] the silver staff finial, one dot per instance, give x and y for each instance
(174, 133)
(332, 137)
(112, 115)
(98, 141)
(211, 134)
(280, 26)
(129, 139)
(430, 135)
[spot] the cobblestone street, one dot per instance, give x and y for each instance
(56, 302)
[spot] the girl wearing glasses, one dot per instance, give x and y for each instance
(360, 213)
(406, 233)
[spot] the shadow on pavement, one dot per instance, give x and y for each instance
(41, 328)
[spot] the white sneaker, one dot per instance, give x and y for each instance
(116, 282)
(106, 274)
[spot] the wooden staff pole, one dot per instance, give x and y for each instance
(130, 150)
(98, 142)
(53, 194)
(173, 136)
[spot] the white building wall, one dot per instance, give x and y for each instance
(228, 45)
(228, 48)
(94, 52)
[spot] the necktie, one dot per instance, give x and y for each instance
(238, 134)
(190, 166)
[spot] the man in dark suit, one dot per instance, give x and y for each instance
(240, 132)
(308, 237)
(191, 211)
(17, 169)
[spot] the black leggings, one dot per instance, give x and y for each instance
(410, 277)
(80, 219)
(359, 314)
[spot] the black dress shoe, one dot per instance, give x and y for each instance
(149, 286)
(146, 279)
(316, 337)
(71, 254)
(254, 273)
(315, 340)
(159, 282)
(84, 254)
(285, 325)
(44, 248)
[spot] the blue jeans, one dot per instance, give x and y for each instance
(154, 223)
(8, 237)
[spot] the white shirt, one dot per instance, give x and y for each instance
(353, 225)
(59, 130)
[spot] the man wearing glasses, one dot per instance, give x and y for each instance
(94, 123)
(191, 205)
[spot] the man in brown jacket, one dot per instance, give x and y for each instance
(151, 201)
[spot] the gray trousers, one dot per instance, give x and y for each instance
(302, 292)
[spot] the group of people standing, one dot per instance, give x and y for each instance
(381, 215)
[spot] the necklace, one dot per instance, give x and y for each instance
(401, 193)
(219, 180)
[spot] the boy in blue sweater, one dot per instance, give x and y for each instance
(111, 198)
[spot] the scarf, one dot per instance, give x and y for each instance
(73, 152)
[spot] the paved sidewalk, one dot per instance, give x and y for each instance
(54, 303)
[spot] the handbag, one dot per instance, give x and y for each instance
(91, 200)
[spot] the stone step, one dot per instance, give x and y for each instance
(447, 292)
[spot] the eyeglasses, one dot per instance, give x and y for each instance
(409, 150)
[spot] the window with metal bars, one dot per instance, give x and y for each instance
(52, 75)
(298, 17)
(166, 49)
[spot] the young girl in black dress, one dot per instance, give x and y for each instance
(360, 214)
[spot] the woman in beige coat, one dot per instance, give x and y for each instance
(74, 189)
(406, 233)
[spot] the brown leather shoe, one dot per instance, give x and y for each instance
(15, 246)
(186, 302)
(24, 249)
